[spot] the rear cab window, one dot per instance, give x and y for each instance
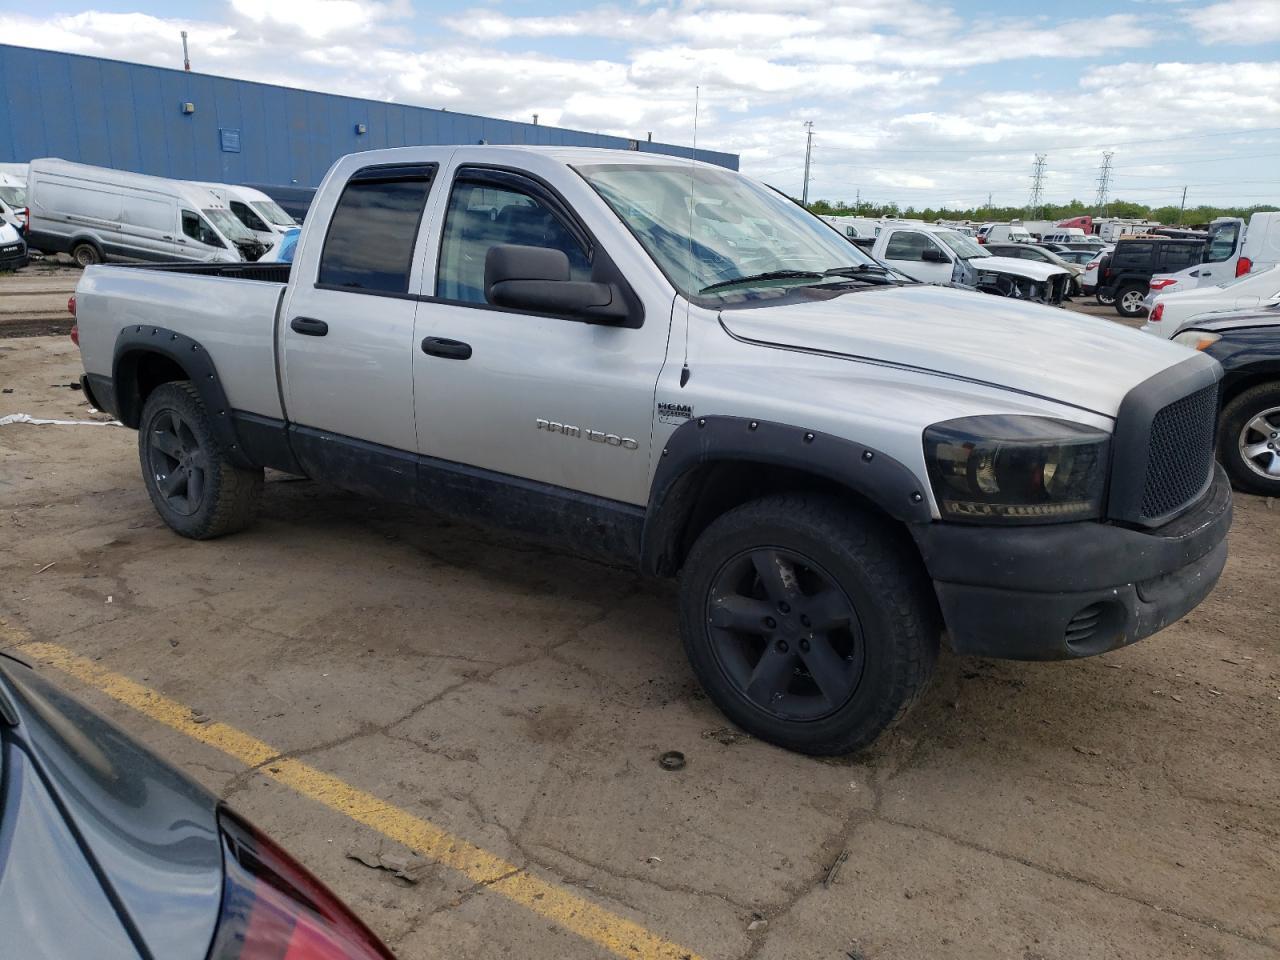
(374, 229)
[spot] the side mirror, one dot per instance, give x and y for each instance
(934, 255)
(537, 279)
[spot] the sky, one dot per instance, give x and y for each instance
(912, 101)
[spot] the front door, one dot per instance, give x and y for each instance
(347, 334)
(529, 396)
(906, 251)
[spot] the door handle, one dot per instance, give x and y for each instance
(308, 327)
(166, 237)
(449, 349)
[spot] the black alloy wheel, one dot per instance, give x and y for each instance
(785, 634)
(178, 464)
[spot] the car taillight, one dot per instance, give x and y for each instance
(1092, 264)
(273, 909)
(1243, 266)
(1157, 313)
(1160, 284)
(71, 304)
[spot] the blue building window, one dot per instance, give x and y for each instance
(230, 139)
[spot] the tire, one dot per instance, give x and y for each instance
(1129, 301)
(85, 254)
(1104, 299)
(193, 487)
(775, 670)
(1248, 424)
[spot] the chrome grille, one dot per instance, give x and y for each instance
(1179, 453)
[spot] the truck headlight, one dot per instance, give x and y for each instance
(1017, 469)
(1197, 339)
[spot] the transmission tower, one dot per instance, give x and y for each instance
(1104, 184)
(1037, 188)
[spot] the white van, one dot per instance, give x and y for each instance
(13, 199)
(1063, 235)
(1004, 233)
(261, 215)
(97, 214)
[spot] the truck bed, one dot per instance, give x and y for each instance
(229, 308)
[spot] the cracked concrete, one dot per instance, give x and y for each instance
(517, 697)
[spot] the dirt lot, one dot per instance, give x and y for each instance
(33, 300)
(1126, 806)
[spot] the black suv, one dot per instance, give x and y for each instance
(1126, 275)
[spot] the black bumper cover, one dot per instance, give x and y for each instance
(1014, 592)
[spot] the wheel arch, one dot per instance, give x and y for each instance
(90, 240)
(713, 464)
(1238, 381)
(147, 356)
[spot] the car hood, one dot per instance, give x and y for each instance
(1070, 358)
(151, 831)
(1031, 269)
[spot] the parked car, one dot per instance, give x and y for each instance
(1089, 280)
(1081, 258)
(295, 201)
(1034, 251)
(13, 200)
(837, 461)
(259, 214)
(1170, 312)
(110, 852)
(98, 214)
(1062, 235)
(1003, 232)
(1247, 344)
(855, 228)
(282, 250)
(13, 249)
(1127, 272)
(940, 255)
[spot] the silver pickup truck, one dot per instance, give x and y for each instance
(669, 365)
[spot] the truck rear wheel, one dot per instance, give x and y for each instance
(194, 488)
(1249, 440)
(810, 624)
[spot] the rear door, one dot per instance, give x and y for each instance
(347, 332)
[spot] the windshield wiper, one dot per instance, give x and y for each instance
(854, 270)
(761, 277)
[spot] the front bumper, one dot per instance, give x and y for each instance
(1074, 589)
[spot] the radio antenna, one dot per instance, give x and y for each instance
(693, 159)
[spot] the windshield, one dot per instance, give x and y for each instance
(229, 226)
(966, 248)
(707, 227)
(14, 196)
(272, 212)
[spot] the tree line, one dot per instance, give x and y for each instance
(1168, 215)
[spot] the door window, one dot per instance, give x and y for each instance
(1222, 242)
(907, 245)
(245, 214)
(198, 229)
(483, 214)
(1180, 256)
(369, 247)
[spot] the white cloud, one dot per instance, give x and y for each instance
(1238, 21)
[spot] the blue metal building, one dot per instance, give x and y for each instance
(193, 126)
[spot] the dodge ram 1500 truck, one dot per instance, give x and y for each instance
(667, 364)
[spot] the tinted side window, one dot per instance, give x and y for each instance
(369, 246)
(906, 245)
(1178, 257)
(1132, 253)
(1222, 242)
(247, 216)
(482, 215)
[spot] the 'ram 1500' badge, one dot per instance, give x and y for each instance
(597, 436)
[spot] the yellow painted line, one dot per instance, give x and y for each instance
(570, 911)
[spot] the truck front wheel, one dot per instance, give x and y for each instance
(809, 623)
(1249, 440)
(193, 487)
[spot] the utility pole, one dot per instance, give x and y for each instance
(988, 200)
(186, 60)
(1104, 184)
(808, 150)
(1182, 205)
(857, 202)
(1037, 187)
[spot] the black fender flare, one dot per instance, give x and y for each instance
(884, 481)
(135, 342)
